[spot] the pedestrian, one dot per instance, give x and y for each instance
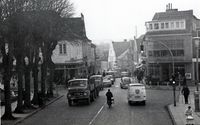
(184, 81)
(189, 116)
(188, 111)
(186, 92)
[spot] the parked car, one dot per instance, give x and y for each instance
(136, 93)
(125, 81)
(107, 81)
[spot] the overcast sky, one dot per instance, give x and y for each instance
(116, 20)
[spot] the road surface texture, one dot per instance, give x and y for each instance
(98, 113)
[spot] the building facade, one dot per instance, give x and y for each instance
(169, 44)
(74, 55)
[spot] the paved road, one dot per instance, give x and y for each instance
(154, 113)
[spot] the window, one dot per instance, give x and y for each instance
(150, 53)
(166, 25)
(182, 24)
(64, 48)
(172, 25)
(162, 25)
(198, 33)
(177, 24)
(150, 26)
(180, 52)
(60, 48)
(156, 53)
(156, 26)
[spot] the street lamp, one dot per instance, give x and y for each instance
(196, 94)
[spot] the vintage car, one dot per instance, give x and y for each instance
(125, 81)
(107, 81)
(136, 93)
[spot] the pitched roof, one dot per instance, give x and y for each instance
(120, 47)
(173, 14)
(75, 28)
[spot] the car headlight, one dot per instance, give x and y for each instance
(85, 93)
(69, 95)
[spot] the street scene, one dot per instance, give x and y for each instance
(98, 112)
(99, 62)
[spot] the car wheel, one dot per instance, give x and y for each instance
(144, 102)
(129, 102)
(69, 102)
(88, 101)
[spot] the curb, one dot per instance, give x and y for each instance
(170, 114)
(39, 109)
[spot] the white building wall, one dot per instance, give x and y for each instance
(73, 50)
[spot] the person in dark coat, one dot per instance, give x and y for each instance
(109, 95)
(184, 81)
(186, 92)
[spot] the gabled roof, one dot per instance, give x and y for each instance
(120, 47)
(75, 28)
(173, 14)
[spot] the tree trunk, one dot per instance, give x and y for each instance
(43, 78)
(27, 100)
(35, 79)
(19, 68)
(7, 64)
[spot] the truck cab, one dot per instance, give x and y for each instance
(79, 90)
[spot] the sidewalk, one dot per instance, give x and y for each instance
(177, 112)
(61, 91)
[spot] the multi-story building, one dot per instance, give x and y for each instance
(74, 55)
(169, 44)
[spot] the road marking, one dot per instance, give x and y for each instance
(97, 114)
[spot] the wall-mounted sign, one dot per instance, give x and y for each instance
(188, 75)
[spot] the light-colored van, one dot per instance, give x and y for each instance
(136, 93)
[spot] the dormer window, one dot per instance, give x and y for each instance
(156, 26)
(162, 25)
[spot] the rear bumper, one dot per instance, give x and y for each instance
(134, 99)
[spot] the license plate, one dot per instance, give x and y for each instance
(137, 96)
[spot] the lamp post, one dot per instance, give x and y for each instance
(196, 93)
(197, 40)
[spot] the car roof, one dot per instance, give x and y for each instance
(126, 78)
(136, 84)
(77, 80)
(95, 76)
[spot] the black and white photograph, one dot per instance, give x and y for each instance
(100, 62)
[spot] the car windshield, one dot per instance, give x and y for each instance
(78, 83)
(126, 80)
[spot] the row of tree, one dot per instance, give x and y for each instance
(29, 28)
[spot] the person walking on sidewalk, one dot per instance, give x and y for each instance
(186, 92)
